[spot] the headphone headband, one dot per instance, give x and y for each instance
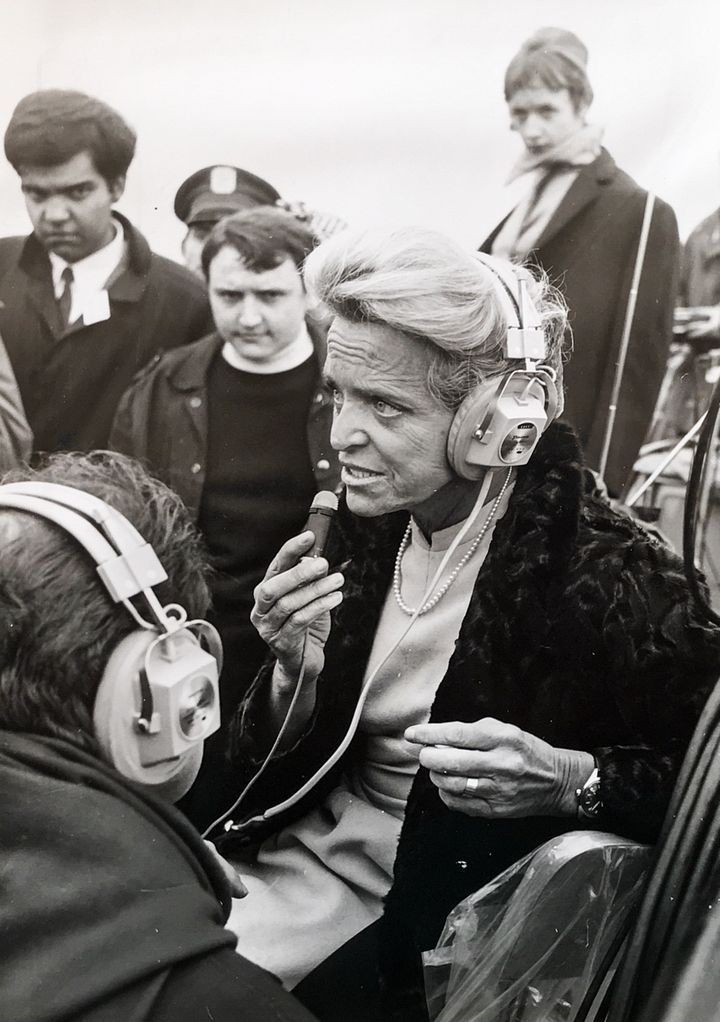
(499, 423)
(525, 334)
(158, 698)
(126, 564)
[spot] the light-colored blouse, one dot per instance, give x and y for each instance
(322, 879)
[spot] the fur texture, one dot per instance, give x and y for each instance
(580, 630)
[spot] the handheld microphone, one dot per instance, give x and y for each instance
(322, 509)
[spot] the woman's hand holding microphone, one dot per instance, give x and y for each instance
(293, 602)
(291, 613)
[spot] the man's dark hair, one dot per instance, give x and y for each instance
(265, 237)
(49, 127)
(58, 625)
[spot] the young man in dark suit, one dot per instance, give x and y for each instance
(84, 303)
(581, 221)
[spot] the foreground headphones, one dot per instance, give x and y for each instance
(158, 698)
(500, 421)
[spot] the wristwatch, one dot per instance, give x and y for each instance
(589, 800)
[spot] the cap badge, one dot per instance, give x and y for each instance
(223, 180)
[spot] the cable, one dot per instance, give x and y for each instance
(273, 749)
(676, 894)
(672, 894)
(697, 478)
(350, 734)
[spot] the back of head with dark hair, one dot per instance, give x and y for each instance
(265, 237)
(58, 625)
(49, 127)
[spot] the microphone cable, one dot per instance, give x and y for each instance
(355, 721)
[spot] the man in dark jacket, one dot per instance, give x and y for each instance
(239, 425)
(581, 222)
(84, 303)
(112, 906)
(15, 435)
(699, 296)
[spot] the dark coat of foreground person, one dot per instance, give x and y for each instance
(580, 630)
(112, 906)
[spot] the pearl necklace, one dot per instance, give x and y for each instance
(438, 595)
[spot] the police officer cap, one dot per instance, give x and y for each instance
(214, 192)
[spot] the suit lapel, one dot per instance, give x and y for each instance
(42, 297)
(584, 190)
(490, 240)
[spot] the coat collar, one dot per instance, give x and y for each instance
(190, 372)
(584, 190)
(543, 518)
(129, 286)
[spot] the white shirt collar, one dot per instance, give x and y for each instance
(289, 358)
(91, 274)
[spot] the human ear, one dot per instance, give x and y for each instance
(116, 187)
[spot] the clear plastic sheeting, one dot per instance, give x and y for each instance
(525, 948)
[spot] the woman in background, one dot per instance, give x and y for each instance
(580, 220)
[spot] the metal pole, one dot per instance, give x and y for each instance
(627, 329)
(666, 461)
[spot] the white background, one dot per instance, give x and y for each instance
(383, 111)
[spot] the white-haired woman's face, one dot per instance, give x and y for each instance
(390, 431)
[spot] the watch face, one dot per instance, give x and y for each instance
(588, 797)
(589, 800)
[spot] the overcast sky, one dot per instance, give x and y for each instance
(381, 111)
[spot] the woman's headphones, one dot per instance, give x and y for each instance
(158, 699)
(500, 422)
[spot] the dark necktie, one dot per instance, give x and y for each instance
(65, 299)
(531, 213)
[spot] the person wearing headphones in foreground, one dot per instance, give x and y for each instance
(112, 906)
(503, 657)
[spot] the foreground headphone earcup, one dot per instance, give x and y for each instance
(116, 707)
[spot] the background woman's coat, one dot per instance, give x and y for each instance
(588, 250)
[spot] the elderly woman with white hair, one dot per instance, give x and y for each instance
(500, 659)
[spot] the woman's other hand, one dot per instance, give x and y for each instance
(493, 769)
(293, 601)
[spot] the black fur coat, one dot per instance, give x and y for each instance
(580, 630)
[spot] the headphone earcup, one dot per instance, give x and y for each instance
(116, 706)
(498, 409)
(554, 403)
(470, 413)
